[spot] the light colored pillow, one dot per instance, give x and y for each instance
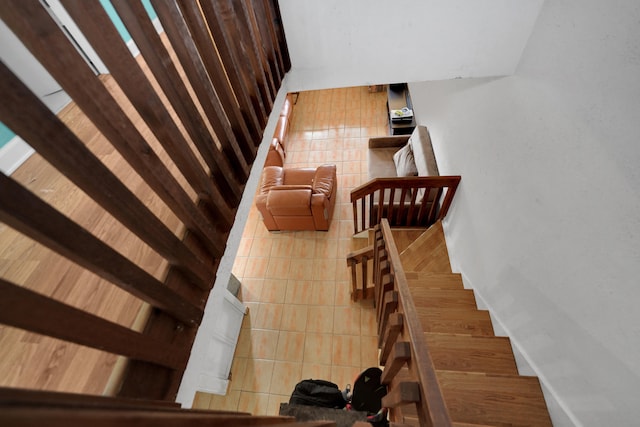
(405, 163)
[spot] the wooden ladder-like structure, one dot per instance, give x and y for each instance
(443, 364)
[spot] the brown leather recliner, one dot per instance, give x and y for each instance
(298, 198)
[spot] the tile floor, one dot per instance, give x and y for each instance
(302, 322)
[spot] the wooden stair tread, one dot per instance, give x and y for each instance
(494, 399)
(428, 252)
(417, 279)
(405, 236)
(443, 298)
(458, 352)
(455, 321)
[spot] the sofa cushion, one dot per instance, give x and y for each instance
(404, 161)
(381, 163)
(423, 152)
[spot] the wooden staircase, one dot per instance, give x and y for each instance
(443, 364)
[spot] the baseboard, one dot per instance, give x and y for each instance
(13, 154)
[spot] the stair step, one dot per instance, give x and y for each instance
(418, 279)
(457, 352)
(443, 298)
(403, 237)
(494, 399)
(428, 252)
(455, 321)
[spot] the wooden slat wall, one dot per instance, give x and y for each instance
(215, 73)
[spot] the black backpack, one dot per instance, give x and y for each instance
(368, 391)
(317, 393)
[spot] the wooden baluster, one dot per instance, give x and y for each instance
(400, 355)
(364, 261)
(391, 334)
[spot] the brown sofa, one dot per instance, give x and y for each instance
(298, 198)
(276, 153)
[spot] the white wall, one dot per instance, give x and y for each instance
(336, 43)
(546, 226)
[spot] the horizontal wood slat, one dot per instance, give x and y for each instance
(106, 41)
(41, 35)
(233, 142)
(25, 309)
(28, 214)
(202, 93)
(139, 25)
(53, 140)
(220, 22)
(23, 417)
(12, 397)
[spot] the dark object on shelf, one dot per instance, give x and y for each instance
(400, 109)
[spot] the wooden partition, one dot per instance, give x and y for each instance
(186, 117)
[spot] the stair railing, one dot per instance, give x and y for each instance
(417, 201)
(409, 370)
(362, 257)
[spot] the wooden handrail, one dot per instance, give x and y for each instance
(409, 209)
(434, 409)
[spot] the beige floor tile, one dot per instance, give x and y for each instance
(290, 346)
(304, 248)
(253, 403)
(238, 369)
(257, 267)
(343, 293)
(285, 377)
(239, 266)
(368, 324)
(282, 248)
(243, 348)
(318, 348)
(368, 352)
(258, 374)
(251, 289)
(269, 316)
(347, 320)
(343, 375)
(346, 350)
(201, 400)
(316, 371)
(273, 290)
(294, 318)
(273, 407)
(320, 319)
(278, 268)
(299, 292)
(300, 269)
(263, 344)
(228, 402)
(324, 269)
(245, 246)
(260, 247)
(323, 292)
(326, 248)
(252, 313)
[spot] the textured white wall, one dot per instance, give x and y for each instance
(335, 43)
(546, 225)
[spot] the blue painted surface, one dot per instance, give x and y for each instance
(5, 135)
(108, 7)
